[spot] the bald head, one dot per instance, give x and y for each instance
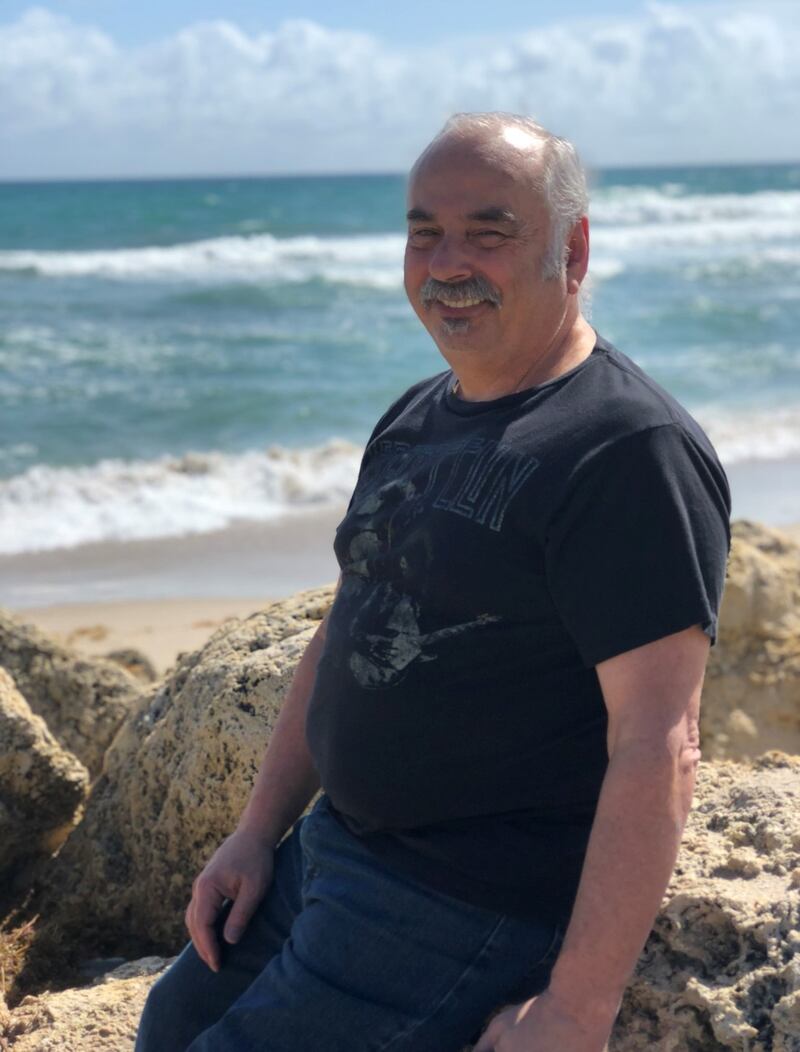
(523, 149)
(494, 139)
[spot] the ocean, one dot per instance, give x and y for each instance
(181, 356)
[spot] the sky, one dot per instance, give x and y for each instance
(94, 88)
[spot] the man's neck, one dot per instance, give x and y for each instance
(496, 379)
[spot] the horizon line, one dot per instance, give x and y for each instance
(215, 176)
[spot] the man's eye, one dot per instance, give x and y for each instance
(490, 236)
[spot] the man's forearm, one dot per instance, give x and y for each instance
(634, 842)
(286, 780)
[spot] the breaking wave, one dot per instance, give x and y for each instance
(114, 500)
(625, 220)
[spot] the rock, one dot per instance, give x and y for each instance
(721, 970)
(135, 662)
(103, 1017)
(42, 785)
(99, 966)
(175, 781)
(82, 700)
(751, 699)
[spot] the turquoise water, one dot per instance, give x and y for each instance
(178, 354)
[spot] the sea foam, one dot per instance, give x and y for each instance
(114, 500)
(374, 261)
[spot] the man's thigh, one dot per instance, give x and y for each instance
(189, 998)
(375, 961)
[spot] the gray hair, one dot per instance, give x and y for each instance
(559, 176)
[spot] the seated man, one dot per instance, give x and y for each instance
(502, 706)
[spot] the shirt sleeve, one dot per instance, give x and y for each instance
(638, 548)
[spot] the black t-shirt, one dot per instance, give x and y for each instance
(493, 553)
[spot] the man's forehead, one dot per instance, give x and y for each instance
(492, 171)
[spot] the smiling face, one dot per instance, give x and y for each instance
(478, 231)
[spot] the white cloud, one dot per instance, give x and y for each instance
(672, 85)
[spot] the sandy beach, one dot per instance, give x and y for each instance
(158, 628)
(166, 596)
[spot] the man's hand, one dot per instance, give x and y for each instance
(240, 870)
(542, 1025)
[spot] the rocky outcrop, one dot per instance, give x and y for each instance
(721, 970)
(101, 1018)
(83, 701)
(134, 661)
(720, 973)
(174, 782)
(751, 699)
(42, 786)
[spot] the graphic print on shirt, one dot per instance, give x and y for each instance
(476, 480)
(386, 636)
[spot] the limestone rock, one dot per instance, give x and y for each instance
(751, 699)
(174, 783)
(721, 970)
(135, 662)
(101, 1018)
(41, 784)
(82, 700)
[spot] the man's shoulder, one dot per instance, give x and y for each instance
(622, 400)
(416, 395)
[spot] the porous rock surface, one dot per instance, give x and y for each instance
(42, 786)
(721, 970)
(751, 698)
(101, 1018)
(82, 700)
(720, 973)
(174, 783)
(134, 661)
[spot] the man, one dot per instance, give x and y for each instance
(502, 706)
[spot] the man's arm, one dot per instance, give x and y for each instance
(653, 698)
(241, 868)
(286, 779)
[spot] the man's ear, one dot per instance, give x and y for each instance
(578, 255)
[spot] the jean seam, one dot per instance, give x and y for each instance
(486, 946)
(552, 950)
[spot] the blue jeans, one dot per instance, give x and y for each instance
(343, 955)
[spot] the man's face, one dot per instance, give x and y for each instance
(477, 235)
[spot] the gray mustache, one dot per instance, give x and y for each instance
(472, 288)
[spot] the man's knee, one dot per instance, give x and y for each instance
(168, 1019)
(156, 1010)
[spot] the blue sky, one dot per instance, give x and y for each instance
(105, 88)
(412, 21)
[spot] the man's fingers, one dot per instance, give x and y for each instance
(491, 1035)
(242, 910)
(204, 908)
(486, 1044)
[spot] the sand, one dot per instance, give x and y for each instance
(159, 628)
(168, 595)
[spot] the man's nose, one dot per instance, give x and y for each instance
(449, 261)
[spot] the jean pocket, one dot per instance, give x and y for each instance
(550, 954)
(536, 976)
